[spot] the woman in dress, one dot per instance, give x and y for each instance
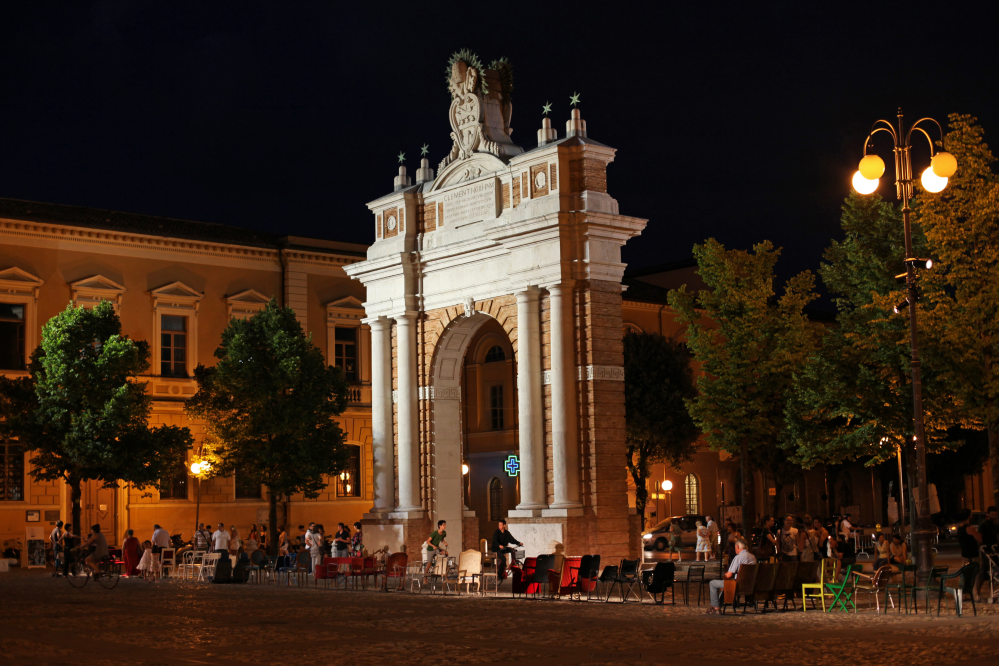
(356, 543)
(235, 543)
(131, 553)
(317, 542)
(283, 544)
(703, 542)
(147, 564)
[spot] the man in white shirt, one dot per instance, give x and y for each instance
(160, 539)
(742, 556)
(846, 527)
(713, 536)
(307, 540)
(220, 541)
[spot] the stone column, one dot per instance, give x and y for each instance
(409, 433)
(565, 442)
(383, 463)
(530, 405)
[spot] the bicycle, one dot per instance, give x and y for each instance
(80, 573)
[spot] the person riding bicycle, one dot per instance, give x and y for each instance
(100, 551)
(436, 543)
(501, 545)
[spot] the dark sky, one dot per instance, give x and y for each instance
(741, 122)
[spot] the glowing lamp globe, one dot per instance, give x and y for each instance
(864, 185)
(464, 469)
(196, 468)
(667, 485)
(872, 167)
(932, 182)
(944, 164)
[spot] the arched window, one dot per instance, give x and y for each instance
(630, 328)
(693, 491)
(495, 354)
(495, 500)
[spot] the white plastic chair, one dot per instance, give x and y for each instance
(207, 568)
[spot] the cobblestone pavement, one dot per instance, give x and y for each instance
(45, 621)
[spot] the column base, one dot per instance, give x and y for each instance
(524, 513)
(415, 513)
(562, 512)
(375, 515)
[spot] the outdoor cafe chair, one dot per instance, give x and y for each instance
(395, 567)
(207, 569)
(695, 574)
(607, 577)
(744, 585)
(965, 577)
(168, 561)
(539, 579)
(926, 586)
(584, 576)
(784, 583)
(257, 561)
(874, 585)
(627, 575)
(659, 580)
(300, 568)
(766, 578)
(827, 573)
(469, 570)
(846, 587)
(807, 572)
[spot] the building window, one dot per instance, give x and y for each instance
(693, 491)
(173, 346)
(175, 486)
(12, 336)
(246, 487)
(496, 406)
(495, 355)
(345, 351)
(348, 481)
(495, 500)
(11, 472)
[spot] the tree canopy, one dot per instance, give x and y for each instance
(269, 405)
(962, 292)
(82, 414)
(657, 381)
(748, 340)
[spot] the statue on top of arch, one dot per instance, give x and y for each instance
(480, 108)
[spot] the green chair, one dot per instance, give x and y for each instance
(826, 573)
(901, 586)
(965, 578)
(846, 587)
(931, 584)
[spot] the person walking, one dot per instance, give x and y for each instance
(55, 539)
(675, 540)
(283, 545)
(318, 539)
(969, 540)
(703, 544)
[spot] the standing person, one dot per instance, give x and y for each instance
(768, 540)
(131, 553)
(55, 539)
(307, 539)
(788, 540)
(300, 539)
(675, 539)
(202, 538)
(235, 542)
(712, 536)
(501, 545)
(821, 535)
(341, 540)
(846, 527)
(253, 533)
(317, 537)
(220, 541)
(160, 539)
(703, 546)
(810, 546)
(145, 567)
(357, 541)
(68, 541)
(283, 545)
(969, 540)
(742, 556)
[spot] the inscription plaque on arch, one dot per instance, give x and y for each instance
(470, 203)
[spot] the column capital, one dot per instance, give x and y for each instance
(527, 294)
(378, 323)
(405, 318)
(561, 287)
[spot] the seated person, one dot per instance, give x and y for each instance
(100, 551)
(742, 556)
(502, 539)
(435, 542)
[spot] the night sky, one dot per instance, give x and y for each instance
(743, 123)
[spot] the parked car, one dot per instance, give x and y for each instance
(657, 537)
(949, 529)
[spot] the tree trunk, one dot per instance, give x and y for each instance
(778, 488)
(273, 531)
(994, 462)
(75, 494)
(743, 459)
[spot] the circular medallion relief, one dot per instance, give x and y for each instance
(390, 223)
(539, 180)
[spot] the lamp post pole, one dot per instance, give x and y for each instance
(923, 532)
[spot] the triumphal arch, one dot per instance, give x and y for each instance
(522, 244)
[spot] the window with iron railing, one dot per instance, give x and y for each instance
(348, 481)
(345, 352)
(11, 472)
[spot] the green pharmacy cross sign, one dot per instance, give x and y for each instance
(512, 466)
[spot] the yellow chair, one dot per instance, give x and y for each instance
(826, 574)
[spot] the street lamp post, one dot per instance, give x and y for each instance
(668, 487)
(196, 469)
(934, 179)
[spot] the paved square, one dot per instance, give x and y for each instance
(45, 621)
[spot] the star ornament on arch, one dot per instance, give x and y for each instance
(401, 157)
(574, 99)
(546, 109)
(424, 149)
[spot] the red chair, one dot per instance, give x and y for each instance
(371, 569)
(322, 572)
(522, 583)
(564, 582)
(395, 567)
(356, 570)
(334, 570)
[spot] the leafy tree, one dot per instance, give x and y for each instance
(748, 341)
(269, 406)
(81, 413)
(853, 397)
(657, 381)
(962, 291)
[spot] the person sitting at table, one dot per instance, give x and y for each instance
(899, 551)
(882, 551)
(715, 587)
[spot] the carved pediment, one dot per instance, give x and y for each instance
(96, 288)
(476, 166)
(176, 294)
(16, 281)
(347, 308)
(249, 301)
